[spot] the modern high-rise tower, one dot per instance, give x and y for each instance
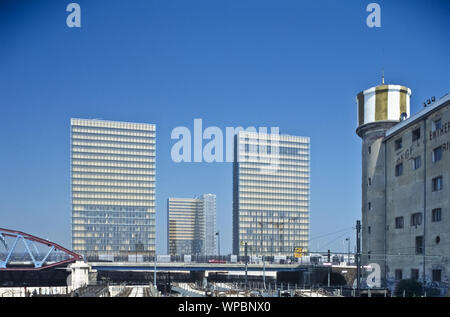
(209, 207)
(113, 187)
(191, 225)
(270, 194)
(185, 226)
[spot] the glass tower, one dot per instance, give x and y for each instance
(113, 187)
(270, 194)
(186, 226)
(209, 206)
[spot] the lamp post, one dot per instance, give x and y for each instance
(348, 252)
(218, 242)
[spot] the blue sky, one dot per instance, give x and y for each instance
(293, 64)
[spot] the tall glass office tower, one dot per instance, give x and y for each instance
(113, 187)
(185, 226)
(209, 207)
(270, 194)
(191, 225)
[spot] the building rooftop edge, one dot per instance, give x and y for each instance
(413, 119)
(281, 135)
(112, 121)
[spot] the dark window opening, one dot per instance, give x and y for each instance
(417, 162)
(436, 215)
(414, 274)
(436, 275)
(419, 245)
(416, 135)
(398, 274)
(398, 144)
(437, 154)
(399, 222)
(416, 219)
(436, 183)
(399, 169)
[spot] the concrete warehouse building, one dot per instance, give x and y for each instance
(405, 185)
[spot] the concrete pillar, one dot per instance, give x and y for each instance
(79, 275)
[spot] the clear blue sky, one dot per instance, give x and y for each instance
(293, 64)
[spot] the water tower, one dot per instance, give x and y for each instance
(379, 108)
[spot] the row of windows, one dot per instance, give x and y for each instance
(273, 195)
(260, 137)
(85, 177)
(103, 131)
(80, 163)
(111, 145)
(287, 177)
(274, 170)
(280, 192)
(267, 149)
(109, 189)
(93, 150)
(121, 139)
(436, 156)
(148, 171)
(112, 214)
(293, 167)
(273, 186)
(112, 124)
(112, 196)
(147, 203)
(416, 218)
(436, 274)
(436, 126)
(282, 160)
(114, 158)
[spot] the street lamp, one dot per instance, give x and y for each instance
(348, 252)
(218, 242)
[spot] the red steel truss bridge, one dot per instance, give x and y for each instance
(21, 251)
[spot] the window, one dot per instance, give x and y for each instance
(437, 124)
(399, 169)
(414, 274)
(417, 162)
(369, 149)
(369, 229)
(437, 240)
(436, 215)
(416, 135)
(398, 274)
(436, 275)
(399, 222)
(419, 245)
(370, 181)
(437, 154)
(436, 183)
(398, 144)
(416, 219)
(369, 205)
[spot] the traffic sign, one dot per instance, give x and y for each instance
(298, 252)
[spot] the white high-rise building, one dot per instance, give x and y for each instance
(270, 194)
(113, 187)
(209, 207)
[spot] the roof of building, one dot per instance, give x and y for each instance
(418, 116)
